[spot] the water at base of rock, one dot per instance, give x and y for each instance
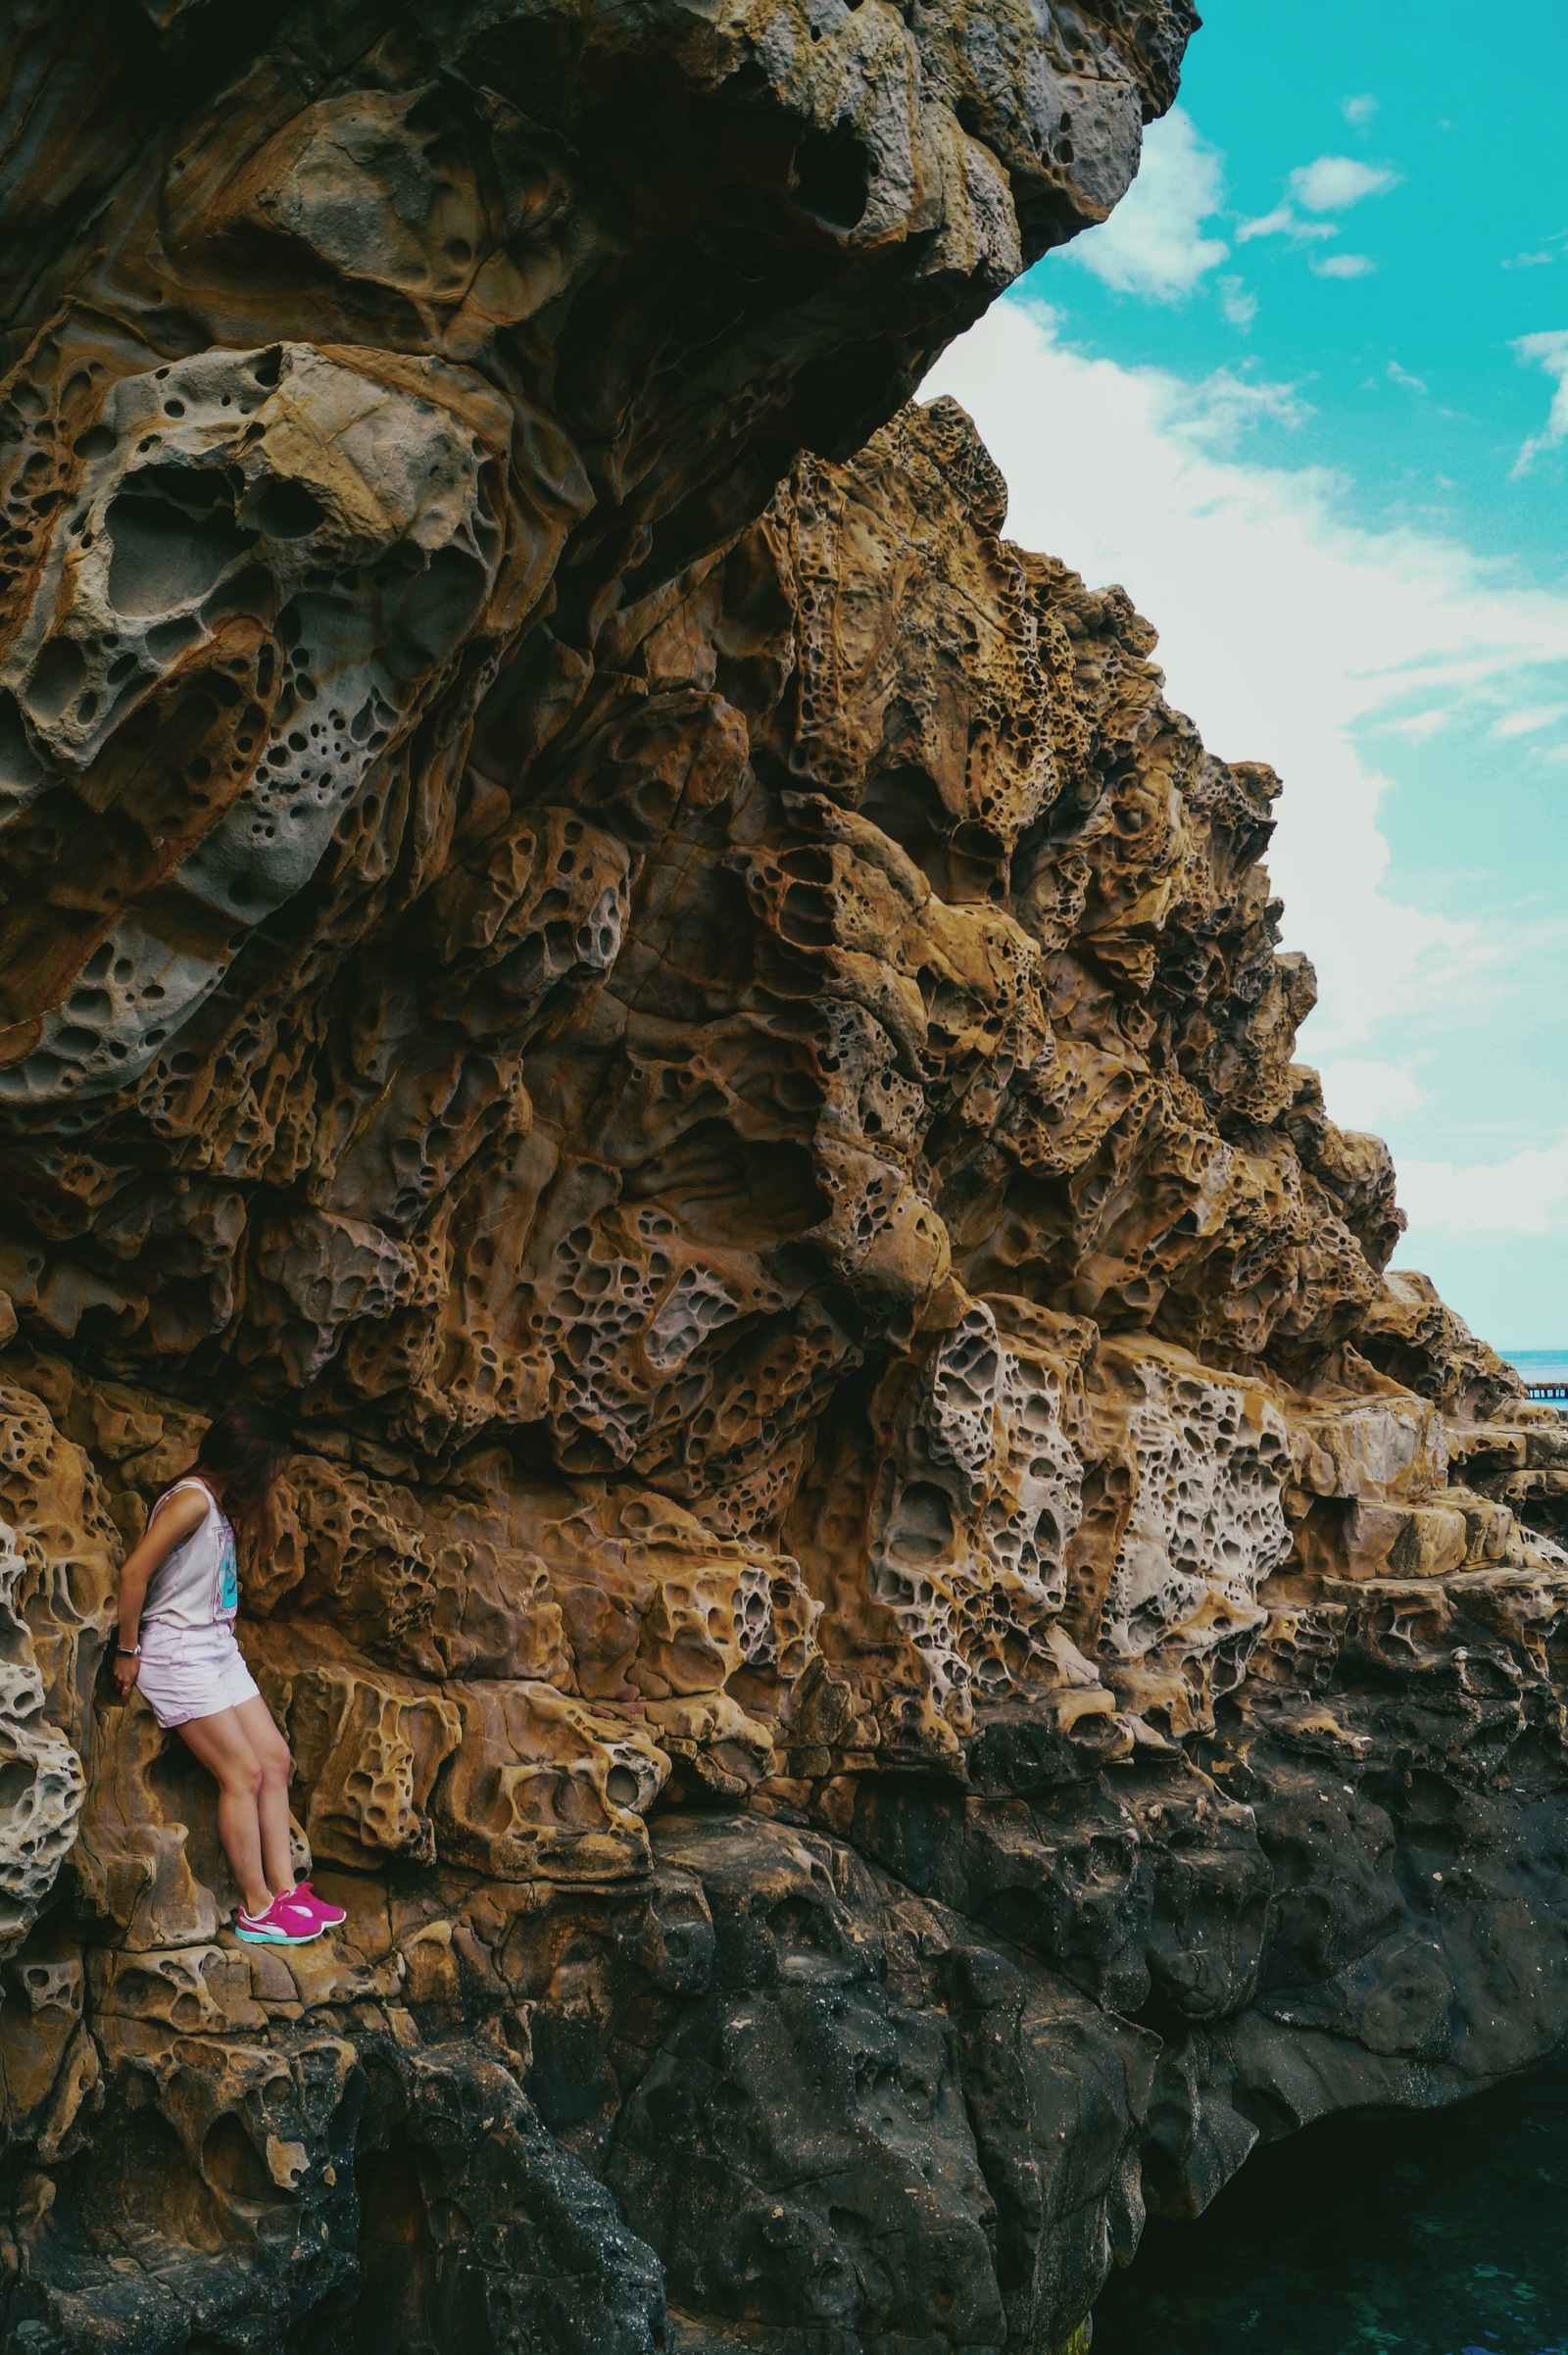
(1381, 2235)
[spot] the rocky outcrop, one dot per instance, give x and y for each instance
(896, 1637)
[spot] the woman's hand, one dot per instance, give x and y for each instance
(174, 1520)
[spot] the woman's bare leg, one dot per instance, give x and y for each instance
(225, 1748)
(277, 1860)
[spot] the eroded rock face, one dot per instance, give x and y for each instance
(896, 1637)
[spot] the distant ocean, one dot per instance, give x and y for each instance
(1539, 1365)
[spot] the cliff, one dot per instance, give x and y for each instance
(896, 1640)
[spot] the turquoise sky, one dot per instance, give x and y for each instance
(1306, 394)
(1470, 111)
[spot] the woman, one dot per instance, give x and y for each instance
(178, 1597)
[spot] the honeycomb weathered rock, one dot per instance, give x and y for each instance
(894, 1636)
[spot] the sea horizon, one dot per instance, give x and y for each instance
(1537, 1367)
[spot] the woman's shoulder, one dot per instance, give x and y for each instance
(189, 1501)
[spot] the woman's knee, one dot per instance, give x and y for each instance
(242, 1776)
(277, 1764)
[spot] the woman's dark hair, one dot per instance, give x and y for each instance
(243, 1452)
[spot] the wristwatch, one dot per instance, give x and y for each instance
(128, 1651)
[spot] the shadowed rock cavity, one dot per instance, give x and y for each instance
(896, 1640)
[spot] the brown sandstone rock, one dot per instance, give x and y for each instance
(895, 1637)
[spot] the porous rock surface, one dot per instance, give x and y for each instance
(896, 1640)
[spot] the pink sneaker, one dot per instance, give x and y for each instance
(283, 1924)
(329, 1916)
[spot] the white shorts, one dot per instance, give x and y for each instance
(188, 1672)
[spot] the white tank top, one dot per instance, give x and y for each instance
(198, 1583)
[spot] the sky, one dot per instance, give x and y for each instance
(1306, 396)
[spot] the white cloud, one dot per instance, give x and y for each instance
(1329, 184)
(1237, 302)
(1403, 376)
(1333, 183)
(1528, 1194)
(1550, 352)
(1285, 222)
(1344, 266)
(1530, 719)
(1550, 252)
(1416, 727)
(1154, 243)
(1219, 408)
(1288, 633)
(1358, 112)
(1365, 1095)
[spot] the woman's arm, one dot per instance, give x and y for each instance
(177, 1519)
